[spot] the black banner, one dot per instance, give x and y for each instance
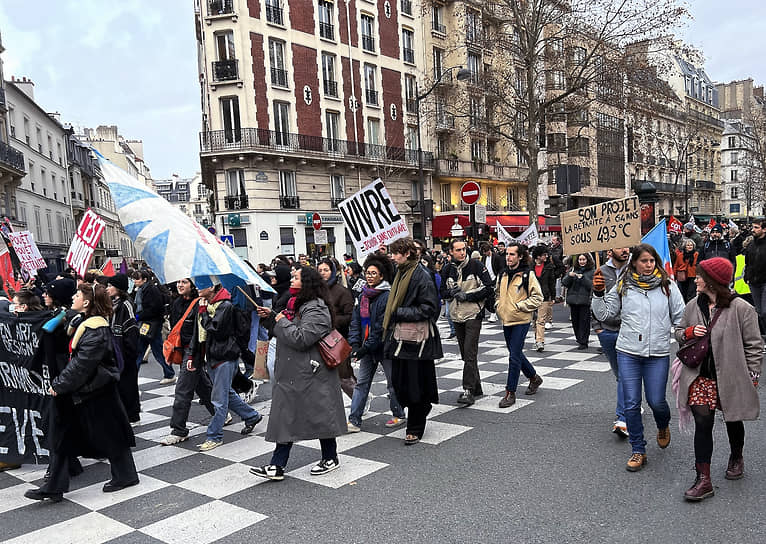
(24, 383)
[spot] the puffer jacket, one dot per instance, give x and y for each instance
(515, 305)
(647, 318)
(92, 364)
(373, 343)
(579, 290)
(472, 278)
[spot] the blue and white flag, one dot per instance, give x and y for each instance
(658, 239)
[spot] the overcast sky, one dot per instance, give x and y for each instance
(133, 63)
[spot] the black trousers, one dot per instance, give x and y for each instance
(580, 322)
(189, 382)
(468, 341)
(122, 466)
(128, 389)
(416, 418)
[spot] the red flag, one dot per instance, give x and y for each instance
(675, 226)
(711, 224)
(108, 269)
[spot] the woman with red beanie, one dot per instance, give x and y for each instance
(727, 378)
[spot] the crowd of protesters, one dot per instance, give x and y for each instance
(387, 308)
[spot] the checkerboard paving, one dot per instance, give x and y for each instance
(186, 495)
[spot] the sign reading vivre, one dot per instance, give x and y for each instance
(371, 218)
(84, 243)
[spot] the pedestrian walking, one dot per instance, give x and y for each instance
(727, 378)
(649, 305)
(494, 263)
(545, 272)
(755, 269)
(466, 284)
(218, 328)
(125, 331)
(99, 426)
(608, 331)
(411, 311)
(579, 284)
(685, 268)
(341, 303)
(518, 295)
(716, 245)
(307, 403)
(150, 314)
(366, 339)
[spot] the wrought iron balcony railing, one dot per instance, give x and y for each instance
(279, 77)
(11, 158)
(220, 7)
(236, 202)
(274, 15)
(225, 70)
(331, 88)
(290, 201)
(368, 43)
(327, 31)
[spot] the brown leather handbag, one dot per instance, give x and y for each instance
(334, 349)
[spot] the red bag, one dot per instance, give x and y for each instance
(172, 348)
(334, 349)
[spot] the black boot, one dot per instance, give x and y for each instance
(39, 495)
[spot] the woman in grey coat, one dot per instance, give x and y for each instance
(306, 397)
(726, 378)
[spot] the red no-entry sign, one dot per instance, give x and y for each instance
(316, 220)
(470, 192)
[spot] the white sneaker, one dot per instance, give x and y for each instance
(228, 420)
(492, 318)
(324, 466)
(173, 439)
(208, 445)
(169, 381)
(548, 326)
(620, 428)
(353, 428)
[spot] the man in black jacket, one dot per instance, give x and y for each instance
(545, 272)
(494, 263)
(716, 246)
(467, 285)
(150, 313)
(755, 268)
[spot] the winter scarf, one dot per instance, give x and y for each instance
(369, 294)
(689, 256)
(645, 282)
(399, 290)
(289, 311)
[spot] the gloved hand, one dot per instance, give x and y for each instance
(599, 284)
(76, 320)
(460, 296)
(452, 292)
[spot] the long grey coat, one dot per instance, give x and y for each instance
(306, 399)
(737, 350)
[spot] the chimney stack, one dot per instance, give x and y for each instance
(25, 85)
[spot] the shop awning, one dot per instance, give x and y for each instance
(512, 223)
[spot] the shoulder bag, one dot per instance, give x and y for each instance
(694, 351)
(172, 348)
(334, 349)
(414, 332)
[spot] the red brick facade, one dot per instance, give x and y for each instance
(305, 73)
(347, 92)
(392, 94)
(344, 25)
(389, 30)
(254, 7)
(302, 15)
(259, 80)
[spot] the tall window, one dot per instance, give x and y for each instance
(734, 157)
(477, 150)
(408, 46)
(437, 18)
(235, 182)
(281, 122)
(474, 66)
(332, 125)
(733, 175)
(326, 20)
(370, 86)
(411, 93)
(411, 137)
(337, 189)
(373, 131)
(475, 112)
(368, 33)
(438, 62)
(277, 58)
(224, 45)
(735, 192)
(445, 194)
(328, 75)
(472, 26)
(288, 192)
(732, 141)
(274, 12)
(230, 119)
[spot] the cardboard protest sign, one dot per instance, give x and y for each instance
(616, 223)
(371, 218)
(26, 249)
(24, 381)
(84, 242)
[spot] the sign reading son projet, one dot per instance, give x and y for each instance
(606, 225)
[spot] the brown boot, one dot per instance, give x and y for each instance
(736, 468)
(703, 487)
(508, 400)
(534, 384)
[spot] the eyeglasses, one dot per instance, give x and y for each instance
(370, 273)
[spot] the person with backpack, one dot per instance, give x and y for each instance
(150, 313)
(518, 295)
(545, 272)
(467, 285)
(649, 305)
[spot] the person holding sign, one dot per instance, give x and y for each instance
(579, 284)
(649, 305)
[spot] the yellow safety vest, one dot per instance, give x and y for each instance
(740, 286)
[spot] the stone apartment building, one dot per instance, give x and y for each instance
(303, 104)
(12, 164)
(189, 195)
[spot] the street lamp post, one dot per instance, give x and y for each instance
(462, 75)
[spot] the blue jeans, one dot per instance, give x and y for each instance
(653, 372)
(224, 398)
(156, 344)
(449, 319)
(517, 361)
(367, 367)
(608, 341)
(282, 451)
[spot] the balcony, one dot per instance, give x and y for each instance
(77, 200)
(220, 7)
(408, 55)
(292, 201)
(279, 77)
(225, 70)
(371, 97)
(331, 88)
(709, 185)
(335, 201)
(368, 43)
(326, 31)
(445, 121)
(274, 15)
(11, 159)
(467, 169)
(446, 77)
(236, 202)
(263, 140)
(2, 98)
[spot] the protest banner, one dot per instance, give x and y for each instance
(84, 242)
(371, 218)
(26, 249)
(24, 382)
(502, 234)
(616, 223)
(529, 237)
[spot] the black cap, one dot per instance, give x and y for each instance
(120, 281)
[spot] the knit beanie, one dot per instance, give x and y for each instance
(120, 281)
(61, 291)
(718, 269)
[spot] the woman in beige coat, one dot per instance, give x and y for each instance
(727, 378)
